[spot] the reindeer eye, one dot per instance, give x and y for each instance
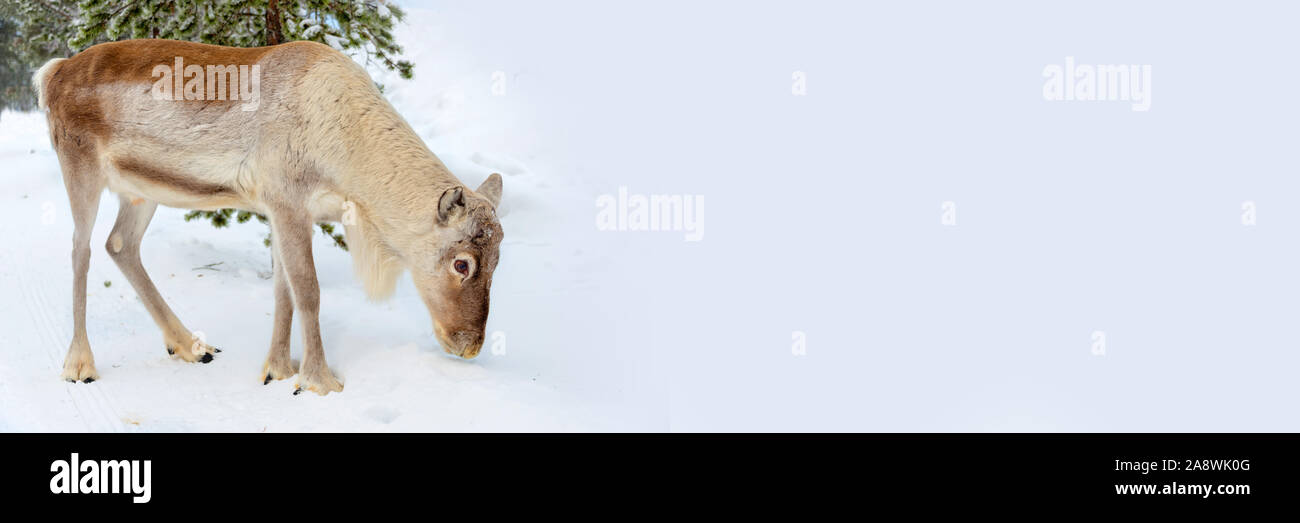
(461, 267)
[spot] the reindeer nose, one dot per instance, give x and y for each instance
(465, 344)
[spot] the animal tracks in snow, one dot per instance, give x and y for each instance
(92, 401)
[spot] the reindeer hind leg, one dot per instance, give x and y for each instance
(133, 217)
(84, 184)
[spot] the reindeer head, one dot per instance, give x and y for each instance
(455, 276)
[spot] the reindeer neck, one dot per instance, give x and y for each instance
(391, 172)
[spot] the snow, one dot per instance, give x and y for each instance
(542, 368)
(312, 29)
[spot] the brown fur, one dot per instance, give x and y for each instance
(150, 174)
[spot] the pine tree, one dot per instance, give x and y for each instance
(37, 30)
(359, 27)
(15, 75)
(41, 28)
(28, 37)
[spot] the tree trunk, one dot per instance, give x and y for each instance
(274, 35)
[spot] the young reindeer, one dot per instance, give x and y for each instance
(297, 132)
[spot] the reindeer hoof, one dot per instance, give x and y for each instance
(88, 380)
(297, 392)
(321, 382)
(79, 367)
(196, 352)
(278, 368)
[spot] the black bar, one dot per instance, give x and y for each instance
(401, 469)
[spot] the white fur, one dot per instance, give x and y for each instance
(39, 79)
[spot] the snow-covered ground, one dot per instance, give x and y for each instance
(538, 377)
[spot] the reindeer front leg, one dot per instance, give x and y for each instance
(291, 231)
(278, 366)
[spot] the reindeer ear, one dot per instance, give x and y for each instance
(491, 189)
(447, 204)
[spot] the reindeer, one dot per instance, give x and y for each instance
(318, 143)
